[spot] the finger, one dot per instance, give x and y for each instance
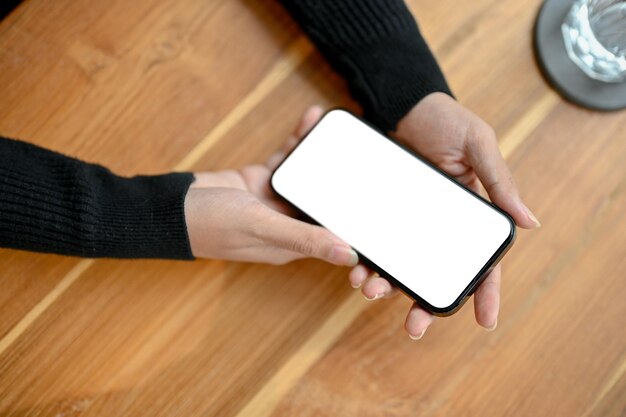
(417, 321)
(470, 180)
(309, 240)
(274, 160)
(488, 163)
(358, 275)
(475, 186)
(376, 287)
(277, 157)
(311, 116)
(487, 300)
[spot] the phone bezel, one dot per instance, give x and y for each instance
(474, 283)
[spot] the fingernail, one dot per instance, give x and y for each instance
(376, 297)
(419, 336)
(344, 255)
(361, 276)
(493, 327)
(532, 217)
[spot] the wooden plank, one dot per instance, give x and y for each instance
(155, 76)
(611, 401)
(25, 279)
(190, 333)
(298, 51)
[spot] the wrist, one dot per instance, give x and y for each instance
(420, 115)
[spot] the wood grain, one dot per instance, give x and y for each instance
(153, 86)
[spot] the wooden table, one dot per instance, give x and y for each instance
(157, 85)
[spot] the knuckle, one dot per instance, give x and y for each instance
(480, 134)
(305, 245)
(310, 242)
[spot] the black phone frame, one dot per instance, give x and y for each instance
(474, 283)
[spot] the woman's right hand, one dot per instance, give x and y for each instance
(234, 215)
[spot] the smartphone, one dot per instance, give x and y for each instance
(409, 221)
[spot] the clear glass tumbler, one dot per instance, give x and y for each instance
(594, 32)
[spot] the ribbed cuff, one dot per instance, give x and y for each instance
(139, 217)
(377, 47)
(53, 203)
(397, 72)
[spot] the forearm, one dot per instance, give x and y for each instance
(377, 47)
(53, 203)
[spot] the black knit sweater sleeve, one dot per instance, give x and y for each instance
(52, 203)
(377, 47)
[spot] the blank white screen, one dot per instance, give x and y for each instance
(420, 227)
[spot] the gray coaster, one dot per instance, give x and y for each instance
(569, 80)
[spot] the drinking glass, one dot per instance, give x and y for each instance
(594, 32)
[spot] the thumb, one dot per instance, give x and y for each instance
(306, 239)
(487, 161)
